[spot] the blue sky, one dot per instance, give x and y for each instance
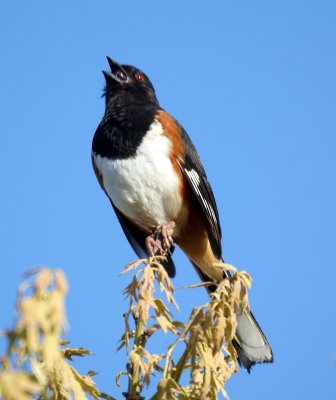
(254, 85)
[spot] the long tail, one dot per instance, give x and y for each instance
(250, 342)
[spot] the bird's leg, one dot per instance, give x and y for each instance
(161, 240)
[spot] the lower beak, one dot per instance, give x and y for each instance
(111, 77)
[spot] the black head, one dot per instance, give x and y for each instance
(128, 82)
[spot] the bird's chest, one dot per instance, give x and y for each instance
(144, 187)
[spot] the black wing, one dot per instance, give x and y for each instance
(193, 171)
(137, 237)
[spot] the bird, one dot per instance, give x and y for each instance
(148, 167)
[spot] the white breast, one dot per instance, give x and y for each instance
(145, 187)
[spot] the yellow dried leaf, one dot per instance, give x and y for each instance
(69, 352)
(43, 279)
(132, 265)
(18, 386)
(165, 324)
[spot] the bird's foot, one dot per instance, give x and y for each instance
(161, 240)
(153, 246)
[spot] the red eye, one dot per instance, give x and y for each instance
(139, 77)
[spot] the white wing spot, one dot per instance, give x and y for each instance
(195, 179)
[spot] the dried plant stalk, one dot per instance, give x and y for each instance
(35, 363)
(209, 355)
(36, 366)
(141, 299)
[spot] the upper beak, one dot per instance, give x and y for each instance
(111, 76)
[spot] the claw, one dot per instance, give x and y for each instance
(161, 240)
(153, 246)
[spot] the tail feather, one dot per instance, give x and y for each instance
(250, 342)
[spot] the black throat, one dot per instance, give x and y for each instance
(122, 128)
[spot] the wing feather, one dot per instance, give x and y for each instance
(195, 175)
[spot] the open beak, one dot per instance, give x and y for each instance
(117, 73)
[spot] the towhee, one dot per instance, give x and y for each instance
(150, 170)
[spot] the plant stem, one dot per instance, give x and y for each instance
(105, 396)
(176, 375)
(134, 383)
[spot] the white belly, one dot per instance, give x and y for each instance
(144, 188)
